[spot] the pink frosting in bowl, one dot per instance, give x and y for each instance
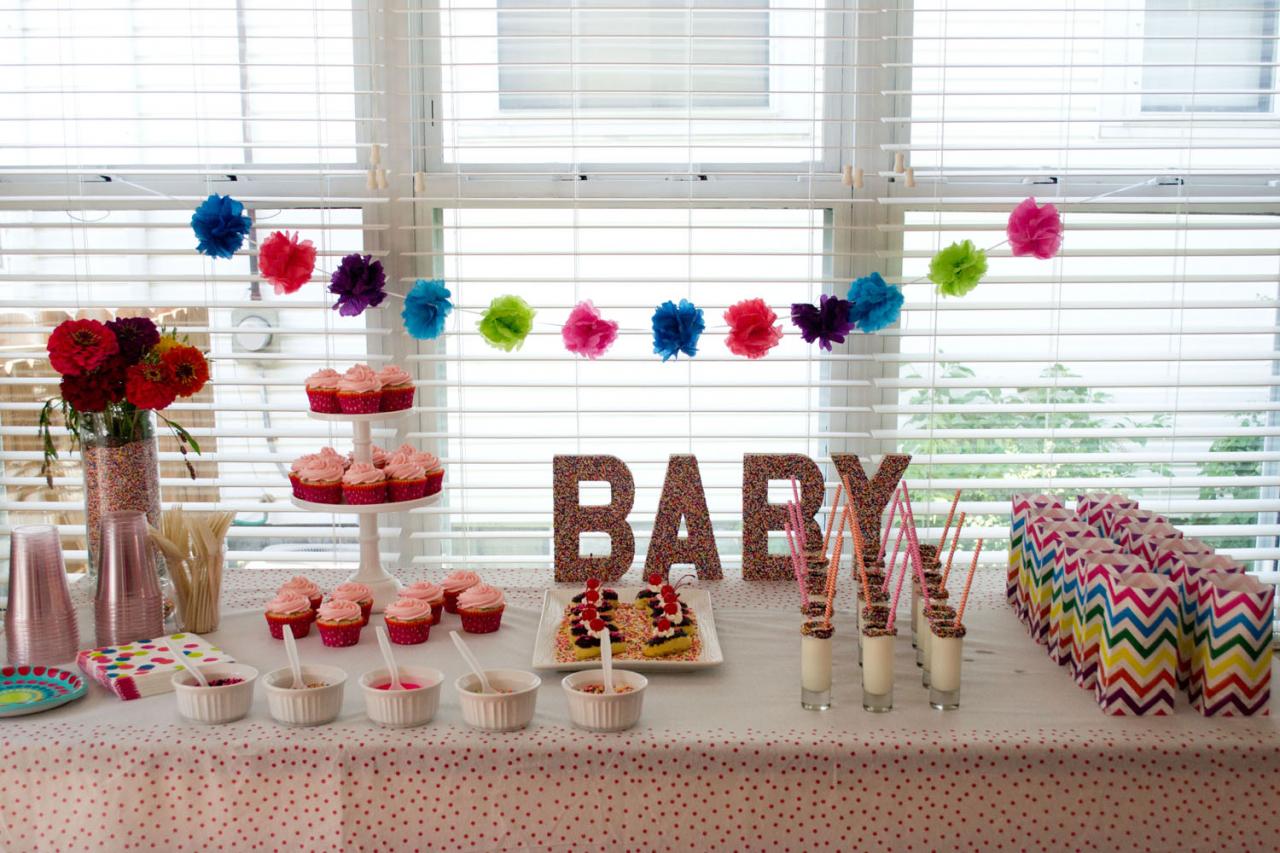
(338, 610)
(408, 609)
(360, 379)
(481, 597)
(363, 473)
(459, 580)
(351, 591)
(320, 469)
(287, 602)
(424, 590)
(326, 378)
(391, 376)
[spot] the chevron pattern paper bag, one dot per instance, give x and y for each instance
(1200, 590)
(1046, 539)
(1138, 652)
(1186, 570)
(1092, 507)
(1023, 506)
(1031, 556)
(1115, 520)
(1067, 570)
(1087, 631)
(1143, 539)
(1236, 673)
(1168, 553)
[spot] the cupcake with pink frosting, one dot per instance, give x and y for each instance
(364, 484)
(356, 593)
(406, 481)
(339, 623)
(318, 478)
(322, 391)
(431, 593)
(481, 608)
(408, 621)
(299, 585)
(289, 611)
(397, 388)
(454, 584)
(360, 391)
(429, 462)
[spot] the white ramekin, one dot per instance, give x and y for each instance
(601, 712)
(402, 708)
(313, 706)
(499, 712)
(215, 705)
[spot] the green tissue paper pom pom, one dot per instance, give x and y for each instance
(507, 322)
(958, 268)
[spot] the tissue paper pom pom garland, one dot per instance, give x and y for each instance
(676, 329)
(220, 226)
(958, 268)
(358, 281)
(426, 308)
(286, 261)
(827, 322)
(876, 304)
(752, 332)
(586, 332)
(507, 322)
(1034, 230)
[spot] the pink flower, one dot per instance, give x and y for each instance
(286, 261)
(751, 328)
(586, 332)
(1034, 230)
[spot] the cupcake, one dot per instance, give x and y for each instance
(322, 391)
(454, 584)
(339, 622)
(319, 479)
(377, 455)
(429, 462)
(481, 607)
(397, 388)
(356, 593)
(288, 610)
(359, 391)
(406, 481)
(298, 464)
(298, 585)
(364, 484)
(429, 592)
(408, 621)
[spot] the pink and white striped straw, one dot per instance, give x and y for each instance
(893, 561)
(884, 543)
(913, 543)
(796, 564)
(897, 593)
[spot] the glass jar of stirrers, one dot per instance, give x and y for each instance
(195, 548)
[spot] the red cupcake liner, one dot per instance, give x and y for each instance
(435, 612)
(435, 481)
(316, 600)
(341, 635)
(320, 493)
(397, 399)
(301, 623)
(365, 493)
(295, 484)
(451, 601)
(360, 404)
(481, 621)
(408, 633)
(406, 490)
(324, 400)
(366, 608)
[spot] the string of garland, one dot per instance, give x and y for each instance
(870, 305)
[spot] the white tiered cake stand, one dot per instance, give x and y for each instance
(371, 573)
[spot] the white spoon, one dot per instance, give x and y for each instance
(385, 644)
(606, 658)
(463, 650)
(291, 649)
(190, 667)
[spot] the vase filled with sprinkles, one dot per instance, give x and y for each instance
(947, 649)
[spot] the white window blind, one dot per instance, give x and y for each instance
(634, 151)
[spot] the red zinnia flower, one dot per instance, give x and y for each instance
(150, 386)
(80, 346)
(93, 392)
(190, 370)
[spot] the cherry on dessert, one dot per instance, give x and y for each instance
(655, 579)
(597, 625)
(592, 595)
(672, 608)
(592, 583)
(664, 624)
(668, 589)
(589, 615)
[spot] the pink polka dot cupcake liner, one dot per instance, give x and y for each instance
(365, 493)
(481, 621)
(435, 481)
(406, 490)
(320, 493)
(396, 399)
(360, 404)
(300, 622)
(322, 400)
(340, 635)
(408, 633)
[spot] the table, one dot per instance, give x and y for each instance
(724, 759)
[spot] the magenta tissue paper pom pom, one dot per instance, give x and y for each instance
(752, 332)
(586, 332)
(1034, 230)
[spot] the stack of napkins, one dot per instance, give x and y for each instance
(143, 668)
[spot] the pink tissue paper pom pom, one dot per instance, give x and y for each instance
(751, 328)
(286, 261)
(586, 332)
(1034, 230)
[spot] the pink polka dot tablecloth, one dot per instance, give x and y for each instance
(723, 759)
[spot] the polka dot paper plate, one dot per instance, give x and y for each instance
(32, 689)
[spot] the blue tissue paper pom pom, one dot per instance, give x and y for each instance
(220, 226)
(876, 304)
(426, 308)
(676, 329)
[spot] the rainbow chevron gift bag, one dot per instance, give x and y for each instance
(1144, 539)
(1236, 680)
(1031, 557)
(1200, 589)
(1186, 571)
(1047, 538)
(1067, 562)
(1023, 506)
(1138, 649)
(1087, 629)
(1169, 552)
(1092, 507)
(1115, 520)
